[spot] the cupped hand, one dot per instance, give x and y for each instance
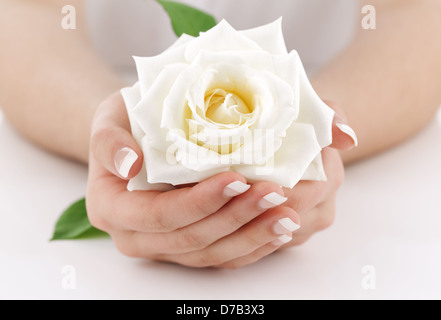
(315, 201)
(219, 222)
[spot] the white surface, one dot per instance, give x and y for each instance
(389, 217)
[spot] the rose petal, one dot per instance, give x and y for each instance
(291, 161)
(315, 170)
(193, 156)
(175, 104)
(209, 41)
(269, 37)
(161, 169)
(313, 110)
(287, 68)
(214, 136)
(279, 113)
(259, 146)
(184, 39)
(149, 68)
(147, 114)
(131, 96)
(140, 182)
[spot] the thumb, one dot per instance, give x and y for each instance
(111, 143)
(343, 136)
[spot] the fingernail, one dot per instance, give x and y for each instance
(271, 200)
(235, 188)
(124, 160)
(285, 225)
(349, 131)
(282, 240)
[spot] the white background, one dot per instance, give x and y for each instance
(389, 218)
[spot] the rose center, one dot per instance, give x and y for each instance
(225, 108)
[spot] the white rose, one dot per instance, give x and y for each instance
(227, 101)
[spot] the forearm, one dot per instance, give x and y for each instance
(51, 81)
(388, 80)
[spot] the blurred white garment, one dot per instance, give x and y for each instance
(317, 29)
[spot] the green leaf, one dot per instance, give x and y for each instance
(186, 19)
(74, 224)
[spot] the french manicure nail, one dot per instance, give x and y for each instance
(285, 225)
(349, 131)
(124, 160)
(235, 188)
(282, 240)
(271, 200)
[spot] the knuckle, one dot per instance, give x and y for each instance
(125, 246)
(190, 241)
(96, 219)
(98, 222)
(127, 250)
(335, 170)
(300, 239)
(237, 219)
(340, 177)
(209, 259)
(325, 221)
(308, 197)
(156, 220)
(251, 240)
(198, 205)
(157, 223)
(99, 136)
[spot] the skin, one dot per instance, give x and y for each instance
(177, 226)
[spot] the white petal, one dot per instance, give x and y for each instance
(131, 96)
(195, 157)
(148, 112)
(313, 110)
(287, 67)
(256, 59)
(215, 136)
(140, 182)
(315, 170)
(269, 37)
(280, 110)
(173, 116)
(183, 40)
(149, 68)
(299, 148)
(223, 37)
(258, 148)
(160, 169)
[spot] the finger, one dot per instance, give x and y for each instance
(253, 257)
(229, 218)
(112, 144)
(343, 136)
(318, 219)
(153, 211)
(306, 194)
(269, 227)
(116, 150)
(261, 197)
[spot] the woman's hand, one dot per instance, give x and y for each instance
(221, 221)
(314, 201)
